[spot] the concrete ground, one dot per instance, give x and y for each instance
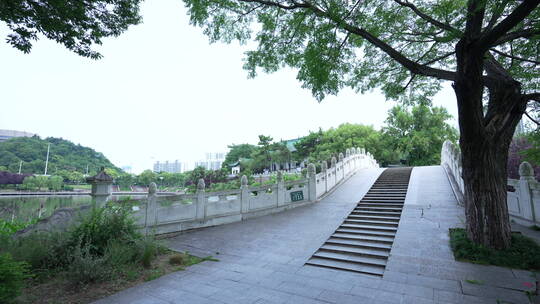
(262, 260)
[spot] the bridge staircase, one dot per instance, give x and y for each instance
(362, 243)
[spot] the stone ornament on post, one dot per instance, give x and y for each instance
(101, 186)
(526, 171)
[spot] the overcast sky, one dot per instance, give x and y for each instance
(162, 92)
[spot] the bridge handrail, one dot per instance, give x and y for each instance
(200, 210)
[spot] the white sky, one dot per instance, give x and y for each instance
(162, 92)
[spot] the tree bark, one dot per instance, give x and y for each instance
(484, 142)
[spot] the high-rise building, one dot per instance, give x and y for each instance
(171, 167)
(213, 161)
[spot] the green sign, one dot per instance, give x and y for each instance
(297, 196)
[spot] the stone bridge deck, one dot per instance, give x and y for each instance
(262, 259)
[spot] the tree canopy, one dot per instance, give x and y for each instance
(78, 25)
(392, 44)
(416, 133)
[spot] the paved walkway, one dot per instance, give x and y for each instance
(262, 259)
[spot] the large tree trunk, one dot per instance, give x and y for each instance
(484, 142)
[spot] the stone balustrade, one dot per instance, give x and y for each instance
(523, 195)
(178, 212)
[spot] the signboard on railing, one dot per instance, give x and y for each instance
(297, 196)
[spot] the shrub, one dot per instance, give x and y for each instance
(148, 248)
(86, 267)
(42, 251)
(104, 225)
(12, 276)
(119, 254)
(9, 228)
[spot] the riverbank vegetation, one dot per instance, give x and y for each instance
(100, 255)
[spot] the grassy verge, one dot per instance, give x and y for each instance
(102, 254)
(59, 289)
(523, 254)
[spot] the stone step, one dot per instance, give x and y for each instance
(381, 205)
(367, 239)
(374, 217)
(375, 187)
(371, 222)
(355, 251)
(368, 227)
(364, 240)
(377, 213)
(333, 264)
(367, 234)
(383, 200)
(386, 194)
(378, 209)
(350, 258)
(359, 243)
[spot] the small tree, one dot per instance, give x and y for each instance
(418, 132)
(55, 183)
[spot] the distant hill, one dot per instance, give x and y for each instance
(64, 155)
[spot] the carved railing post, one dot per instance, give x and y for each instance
(201, 199)
(341, 166)
(324, 170)
(280, 189)
(151, 219)
(244, 194)
(312, 183)
(526, 179)
(333, 162)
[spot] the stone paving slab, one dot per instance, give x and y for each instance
(261, 260)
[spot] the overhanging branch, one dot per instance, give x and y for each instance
(490, 37)
(426, 17)
(410, 65)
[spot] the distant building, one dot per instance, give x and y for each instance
(127, 169)
(213, 161)
(171, 167)
(7, 134)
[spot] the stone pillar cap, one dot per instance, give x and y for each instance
(101, 177)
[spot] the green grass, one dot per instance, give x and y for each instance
(524, 253)
(82, 187)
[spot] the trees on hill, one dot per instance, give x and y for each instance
(487, 49)
(65, 158)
